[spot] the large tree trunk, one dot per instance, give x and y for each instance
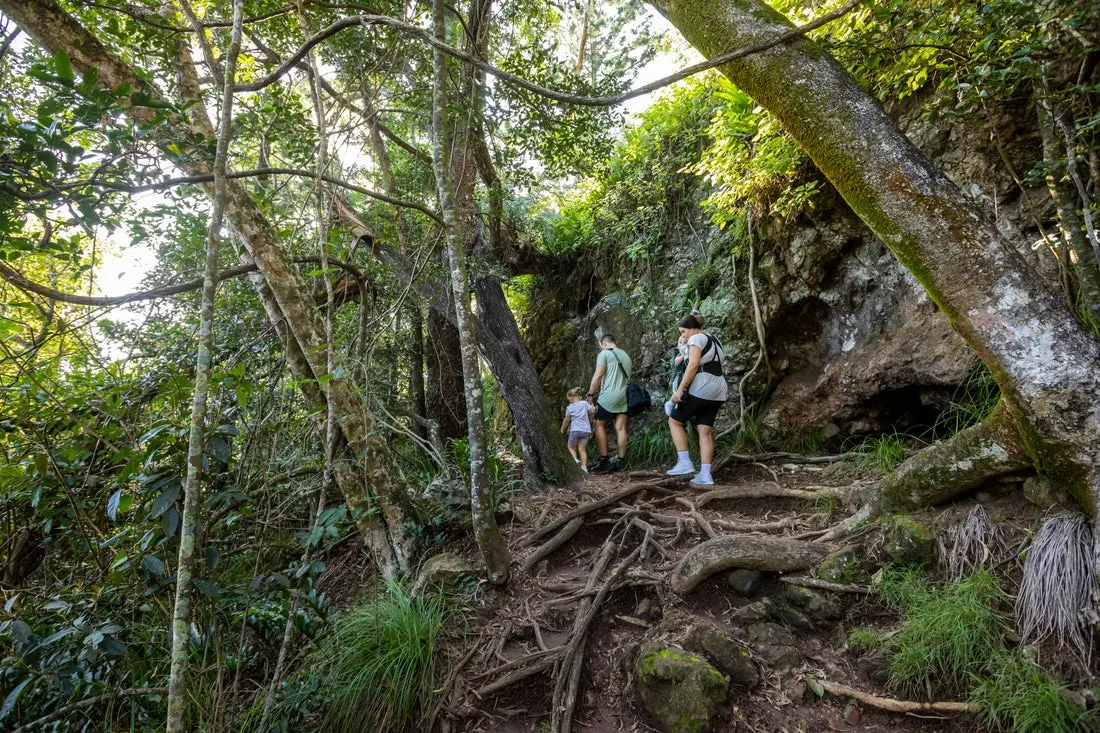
(494, 551)
(443, 392)
(1045, 362)
(56, 31)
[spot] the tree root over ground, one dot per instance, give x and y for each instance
(743, 551)
(897, 706)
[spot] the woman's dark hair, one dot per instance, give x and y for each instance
(693, 320)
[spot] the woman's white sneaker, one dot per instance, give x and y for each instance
(681, 469)
(701, 480)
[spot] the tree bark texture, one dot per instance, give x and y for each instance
(1045, 362)
(490, 542)
(443, 393)
(1065, 204)
(196, 443)
(56, 31)
(962, 462)
(771, 554)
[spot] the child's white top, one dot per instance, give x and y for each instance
(578, 413)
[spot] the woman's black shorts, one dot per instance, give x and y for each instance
(697, 411)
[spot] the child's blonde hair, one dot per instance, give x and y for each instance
(575, 392)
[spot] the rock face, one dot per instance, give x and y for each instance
(682, 692)
(854, 344)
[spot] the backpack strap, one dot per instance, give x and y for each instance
(626, 377)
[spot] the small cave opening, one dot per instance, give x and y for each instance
(914, 409)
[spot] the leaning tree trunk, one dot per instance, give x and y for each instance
(57, 31)
(494, 551)
(1045, 362)
(443, 392)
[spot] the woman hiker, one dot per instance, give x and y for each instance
(697, 399)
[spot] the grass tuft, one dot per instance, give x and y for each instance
(652, 445)
(864, 640)
(1020, 697)
(883, 452)
(949, 636)
(375, 669)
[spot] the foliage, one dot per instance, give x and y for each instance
(949, 635)
(1021, 697)
(972, 402)
(864, 639)
(882, 452)
(375, 669)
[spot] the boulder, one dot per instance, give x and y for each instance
(724, 652)
(847, 565)
(682, 692)
(910, 542)
(445, 570)
(774, 644)
(744, 581)
(814, 604)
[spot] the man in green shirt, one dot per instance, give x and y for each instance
(613, 370)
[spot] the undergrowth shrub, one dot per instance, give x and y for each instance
(949, 634)
(955, 638)
(374, 670)
(652, 444)
(1019, 696)
(883, 452)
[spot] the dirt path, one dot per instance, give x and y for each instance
(592, 585)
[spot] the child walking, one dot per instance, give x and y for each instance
(578, 426)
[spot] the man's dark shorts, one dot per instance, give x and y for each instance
(605, 415)
(697, 411)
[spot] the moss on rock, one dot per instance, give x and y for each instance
(682, 692)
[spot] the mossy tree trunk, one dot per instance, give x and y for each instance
(1045, 362)
(382, 486)
(490, 542)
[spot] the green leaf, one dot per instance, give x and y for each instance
(153, 564)
(165, 501)
(13, 697)
(208, 589)
(64, 67)
(112, 505)
(815, 686)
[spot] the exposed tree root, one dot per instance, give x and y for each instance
(580, 511)
(960, 463)
(564, 535)
(776, 456)
(569, 671)
(776, 526)
(519, 670)
(897, 706)
(846, 527)
(743, 551)
(826, 585)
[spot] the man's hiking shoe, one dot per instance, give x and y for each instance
(602, 466)
(681, 469)
(618, 465)
(701, 480)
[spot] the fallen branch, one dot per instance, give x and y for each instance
(554, 543)
(806, 582)
(772, 554)
(897, 706)
(580, 511)
(442, 694)
(87, 703)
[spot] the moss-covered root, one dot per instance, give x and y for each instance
(962, 462)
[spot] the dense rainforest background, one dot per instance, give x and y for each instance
(292, 294)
